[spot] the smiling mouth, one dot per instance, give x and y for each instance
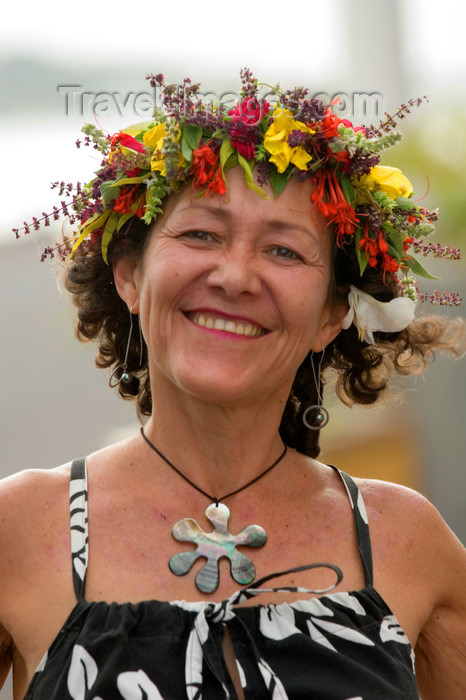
(228, 325)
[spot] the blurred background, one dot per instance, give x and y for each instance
(54, 404)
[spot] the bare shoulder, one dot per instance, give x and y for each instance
(403, 517)
(410, 537)
(31, 505)
(29, 490)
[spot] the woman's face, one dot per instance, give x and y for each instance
(232, 292)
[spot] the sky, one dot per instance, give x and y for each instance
(215, 35)
(312, 43)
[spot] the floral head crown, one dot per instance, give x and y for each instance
(369, 205)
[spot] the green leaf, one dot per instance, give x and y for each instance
(348, 191)
(192, 135)
(219, 133)
(416, 267)
(109, 229)
(108, 192)
(123, 219)
(245, 164)
(360, 253)
(396, 243)
(405, 203)
(226, 150)
(278, 181)
(190, 140)
(131, 180)
(95, 222)
(232, 160)
(393, 251)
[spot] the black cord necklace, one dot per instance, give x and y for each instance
(218, 543)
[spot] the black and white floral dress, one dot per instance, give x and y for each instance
(342, 646)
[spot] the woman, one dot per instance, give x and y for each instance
(242, 298)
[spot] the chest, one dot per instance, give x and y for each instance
(136, 538)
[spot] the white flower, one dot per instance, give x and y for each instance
(370, 315)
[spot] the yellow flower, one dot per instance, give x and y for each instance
(390, 180)
(276, 141)
(154, 138)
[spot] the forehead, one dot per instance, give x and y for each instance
(291, 210)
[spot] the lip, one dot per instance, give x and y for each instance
(244, 326)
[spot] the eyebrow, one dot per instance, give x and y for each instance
(277, 225)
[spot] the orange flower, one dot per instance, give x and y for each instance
(337, 210)
(370, 247)
(206, 170)
(125, 199)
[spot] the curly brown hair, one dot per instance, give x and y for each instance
(363, 370)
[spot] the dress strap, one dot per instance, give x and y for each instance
(361, 523)
(78, 525)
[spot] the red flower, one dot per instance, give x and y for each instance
(370, 247)
(377, 251)
(330, 123)
(382, 243)
(204, 161)
(337, 210)
(406, 243)
(126, 198)
(206, 170)
(217, 184)
(342, 157)
(389, 265)
(126, 141)
(250, 111)
(141, 206)
(245, 118)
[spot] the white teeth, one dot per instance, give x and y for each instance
(230, 326)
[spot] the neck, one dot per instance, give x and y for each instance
(218, 447)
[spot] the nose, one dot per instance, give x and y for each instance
(236, 272)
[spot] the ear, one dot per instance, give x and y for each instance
(331, 326)
(126, 277)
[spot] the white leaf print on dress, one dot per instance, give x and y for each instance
(78, 527)
(347, 633)
(194, 658)
(391, 631)
(348, 601)
(136, 685)
(314, 606)
(317, 636)
(193, 667)
(82, 673)
(362, 508)
(272, 682)
(241, 673)
(277, 622)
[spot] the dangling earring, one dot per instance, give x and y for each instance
(125, 376)
(317, 413)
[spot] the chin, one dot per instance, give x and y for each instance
(216, 390)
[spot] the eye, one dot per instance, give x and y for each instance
(202, 236)
(285, 253)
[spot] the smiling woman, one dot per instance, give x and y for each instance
(219, 314)
(232, 294)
